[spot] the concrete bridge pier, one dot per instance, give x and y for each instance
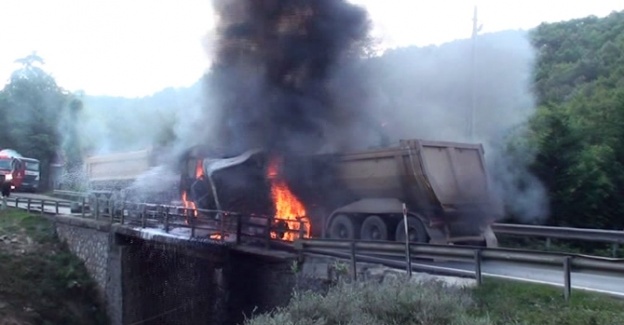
(164, 283)
(146, 278)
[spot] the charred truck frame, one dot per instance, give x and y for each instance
(360, 195)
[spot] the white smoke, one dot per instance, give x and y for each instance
(428, 93)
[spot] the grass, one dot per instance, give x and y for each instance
(41, 282)
(397, 301)
(510, 302)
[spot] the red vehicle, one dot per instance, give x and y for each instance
(12, 172)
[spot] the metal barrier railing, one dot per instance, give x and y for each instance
(218, 225)
(391, 253)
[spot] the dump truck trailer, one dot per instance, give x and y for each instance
(361, 195)
(111, 176)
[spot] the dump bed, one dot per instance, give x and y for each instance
(455, 171)
(119, 166)
(424, 173)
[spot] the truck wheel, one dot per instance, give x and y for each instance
(415, 228)
(6, 190)
(374, 228)
(342, 227)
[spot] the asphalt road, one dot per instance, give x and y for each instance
(604, 283)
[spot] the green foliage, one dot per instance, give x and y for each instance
(579, 127)
(527, 304)
(32, 109)
(396, 301)
(40, 280)
(393, 302)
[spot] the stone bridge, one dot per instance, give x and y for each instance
(150, 278)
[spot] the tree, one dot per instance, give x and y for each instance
(31, 106)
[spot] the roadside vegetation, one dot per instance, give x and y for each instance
(434, 303)
(41, 282)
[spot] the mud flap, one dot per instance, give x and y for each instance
(490, 238)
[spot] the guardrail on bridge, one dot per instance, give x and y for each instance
(223, 226)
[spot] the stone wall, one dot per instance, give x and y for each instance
(90, 242)
(93, 243)
(168, 284)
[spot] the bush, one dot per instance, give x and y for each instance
(395, 301)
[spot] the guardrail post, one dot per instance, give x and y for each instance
(82, 209)
(222, 225)
(408, 253)
(97, 207)
(56, 206)
(6, 204)
(42, 206)
(478, 260)
(614, 249)
(123, 209)
(28, 205)
(239, 228)
(567, 283)
(143, 213)
(167, 220)
(353, 262)
(301, 230)
(191, 217)
(548, 243)
(267, 244)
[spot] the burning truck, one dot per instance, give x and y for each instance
(355, 195)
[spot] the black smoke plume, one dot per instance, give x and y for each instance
(277, 72)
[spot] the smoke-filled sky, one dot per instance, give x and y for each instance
(135, 48)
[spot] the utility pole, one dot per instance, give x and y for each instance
(473, 76)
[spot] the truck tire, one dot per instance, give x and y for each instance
(374, 228)
(6, 190)
(416, 229)
(342, 227)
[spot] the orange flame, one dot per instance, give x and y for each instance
(288, 209)
(199, 170)
(215, 236)
(189, 204)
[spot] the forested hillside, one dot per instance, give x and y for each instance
(579, 125)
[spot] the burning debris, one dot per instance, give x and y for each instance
(289, 211)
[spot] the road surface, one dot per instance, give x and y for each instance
(604, 283)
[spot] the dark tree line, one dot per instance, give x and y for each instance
(35, 117)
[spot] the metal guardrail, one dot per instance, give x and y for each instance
(218, 225)
(389, 253)
(599, 235)
(614, 237)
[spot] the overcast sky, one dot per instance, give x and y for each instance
(138, 47)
